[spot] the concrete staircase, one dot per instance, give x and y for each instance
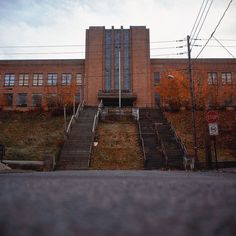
(162, 149)
(75, 152)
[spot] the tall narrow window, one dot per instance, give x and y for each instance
(157, 99)
(8, 99)
(212, 78)
(66, 79)
(37, 79)
(36, 100)
(77, 98)
(108, 59)
(52, 79)
(78, 79)
(157, 78)
(23, 80)
(226, 78)
(9, 80)
(22, 100)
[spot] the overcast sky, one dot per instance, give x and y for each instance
(63, 22)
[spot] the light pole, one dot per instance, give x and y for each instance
(119, 80)
(191, 87)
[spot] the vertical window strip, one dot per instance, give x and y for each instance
(127, 77)
(108, 59)
(116, 59)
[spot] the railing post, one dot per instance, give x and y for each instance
(65, 118)
(74, 106)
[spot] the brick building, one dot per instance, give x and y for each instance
(115, 58)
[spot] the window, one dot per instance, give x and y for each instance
(51, 99)
(52, 79)
(212, 78)
(66, 79)
(9, 80)
(22, 100)
(37, 79)
(23, 80)
(36, 100)
(157, 77)
(157, 99)
(79, 79)
(8, 99)
(77, 98)
(226, 78)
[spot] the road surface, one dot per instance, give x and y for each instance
(118, 203)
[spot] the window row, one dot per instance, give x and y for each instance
(226, 78)
(36, 101)
(52, 80)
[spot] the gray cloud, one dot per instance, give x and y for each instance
(46, 22)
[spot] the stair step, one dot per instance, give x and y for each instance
(75, 152)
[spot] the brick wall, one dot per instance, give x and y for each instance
(44, 67)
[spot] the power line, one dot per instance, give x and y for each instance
(81, 45)
(230, 40)
(170, 54)
(215, 29)
(223, 46)
(202, 23)
(199, 21)
(197, 18)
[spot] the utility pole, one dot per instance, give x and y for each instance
(193, 104)
(119, 80)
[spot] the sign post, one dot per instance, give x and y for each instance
(212, 119)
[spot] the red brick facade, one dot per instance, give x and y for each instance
(135, 62)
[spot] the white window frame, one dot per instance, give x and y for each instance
(52, 79)
(66, 79)
(212, 78)
(78, 79)
(23, 80)
(226, 78)
(9, 80)
(37, 79)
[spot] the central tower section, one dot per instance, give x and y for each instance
(118, 57)
(117, 60)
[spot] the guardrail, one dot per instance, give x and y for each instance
(178, 140)
(95, 122)
(74, 118)
(162, 145)
(142, 142)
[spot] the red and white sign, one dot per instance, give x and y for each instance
(212, 117)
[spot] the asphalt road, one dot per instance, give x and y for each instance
(118, 203)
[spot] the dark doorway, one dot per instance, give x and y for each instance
(114, 102)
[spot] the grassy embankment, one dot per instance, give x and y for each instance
(226, 141)
(29, 136)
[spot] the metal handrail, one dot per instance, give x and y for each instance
(74, 118)
(95, 122)
(141, 140)
(162, 145)
(178, 140)
(96, 117)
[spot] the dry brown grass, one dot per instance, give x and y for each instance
(29, 136)
(226, 141)
(118, 147)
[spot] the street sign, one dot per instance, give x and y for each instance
(213, 129)
(212, 117)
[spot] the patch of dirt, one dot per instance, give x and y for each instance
(118, 147)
